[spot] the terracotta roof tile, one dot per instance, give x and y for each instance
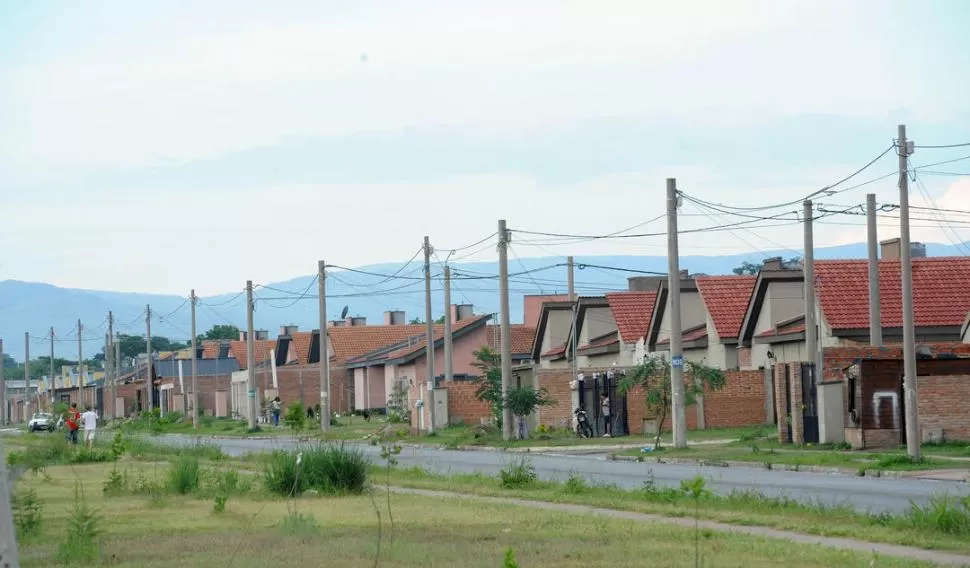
(419, 343)
(604, 341)
(300, 346)
(555, 352)
(522, 338)
(210, 348)
(354, 341)
(941, 295)
(692, 334)
(632, 312)
(238, 350)
(726, 299)
(785, 328)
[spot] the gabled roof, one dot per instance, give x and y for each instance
(348, 342)
(415, 347)
(660, 306)
(726, 299)
(295, 346)
(215, 348)
(541, 328)
(691, 338)
(606, 343)
(941, 292)
(555, 353)
(632, 312)
(584, 303)
(764, 278)
(522, 337)
(262, 347)
(204, 367)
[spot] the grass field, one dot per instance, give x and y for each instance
(254, 530)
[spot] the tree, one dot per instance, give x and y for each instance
(747, 268)
(134, 345)
(419, 321)
(523, 401)
(489, 384)
(221, 331)
(653, 376)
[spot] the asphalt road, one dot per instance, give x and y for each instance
(864, 493)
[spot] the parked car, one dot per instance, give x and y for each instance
(41, 421)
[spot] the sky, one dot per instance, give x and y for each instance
(160, 146)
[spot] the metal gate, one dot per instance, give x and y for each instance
(809, 404)
(590, 391)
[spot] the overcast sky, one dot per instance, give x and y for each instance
(159, 146)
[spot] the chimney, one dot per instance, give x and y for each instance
(356, 321)
(395, 317)
(644, 283)
(889, 249)
(461, 312)
(773, 263)
(685, 274)
(242, 335)
(261, 335)
(337, 323)
(289, 329)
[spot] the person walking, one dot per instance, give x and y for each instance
(72, 421)
(607, 423)
(90, 421)
(277, 406)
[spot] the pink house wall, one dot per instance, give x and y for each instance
(532, 307)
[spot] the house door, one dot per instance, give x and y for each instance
(590, 391)
(809, 404)
(788, 401)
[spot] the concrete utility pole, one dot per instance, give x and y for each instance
(117, 362)
(80, 366)
(875, 318)
(571, 290)
(149, 387)
(429, 327)
(250, 355)
(26, 372)
(195, 365)
(449, 364)
(808, 271)
(3, 390)
(506, 340)
(52, 368)
(324, 348)
(8, 532)
(112, 366)
(913, 441)
(106, 387)
(677, 387)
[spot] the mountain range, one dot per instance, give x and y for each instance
(365, 291)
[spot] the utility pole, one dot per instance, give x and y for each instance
(52, 369)
(106, 387)
(505, 335)
(195, 366)
(904, 149)
(8, 532)
(149, 387)
(80, 365)
(677, 387)
(875, 318)
(808, 271)
(112, 366)
(250, 355)
(324, 348)
(3, 390)
(449, 363)
(26, 373)
(117, 362)
(429, 327)
(571, 290)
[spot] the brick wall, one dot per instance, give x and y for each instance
(463, 406)
(556, 382)
(208, 387)
(288, 379)
(781, 401)
(939, 407)
(838, 358)
(744, 358)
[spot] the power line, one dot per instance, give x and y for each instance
(939, 146)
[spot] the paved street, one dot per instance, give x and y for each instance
(864, 493)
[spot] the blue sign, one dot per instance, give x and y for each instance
(677, 361)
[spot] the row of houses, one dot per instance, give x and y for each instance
(750, 326)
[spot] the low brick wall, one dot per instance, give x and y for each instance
(289, 379)
(463, 406)
(941, 406)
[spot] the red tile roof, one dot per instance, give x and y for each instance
(522, 337)
(210, 348)
(794, 325)
(632, 312)
(349, 342)
(300, 346)
(555, 352)
(941, 292)
(238, 349)
(604, 341)
(726, 299)
(419, 344)
(692, 334)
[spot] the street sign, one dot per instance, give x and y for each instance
(677, 361)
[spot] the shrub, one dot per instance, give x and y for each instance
(324, 468)
(183, 475)
(27, 510)
(510, 559)
(81, 543)
(295, 417)
(944, 513)
(575, 485)
(518, 473)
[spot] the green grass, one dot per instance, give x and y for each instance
(253, 530)
(943, 525)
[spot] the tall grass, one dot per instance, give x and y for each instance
(324, 468)
(183, 475)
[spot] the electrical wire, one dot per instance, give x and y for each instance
(939, 146)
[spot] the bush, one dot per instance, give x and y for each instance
(324, 468)
(295, 417)
(81, 545)
(518, 473)
(183, 475)
(27, 510)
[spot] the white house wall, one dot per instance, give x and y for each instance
(783, 301)
(692, 313)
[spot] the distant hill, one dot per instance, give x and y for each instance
(35, 307)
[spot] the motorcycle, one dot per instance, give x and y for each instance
(583, 428)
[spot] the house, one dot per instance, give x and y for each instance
(611, 328)
(693, 319)
(213, 378)
(552, 333)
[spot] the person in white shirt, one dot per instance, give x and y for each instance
(90, 421)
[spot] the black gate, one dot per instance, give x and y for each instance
(788, 402)
(591, 389)
(809, 404)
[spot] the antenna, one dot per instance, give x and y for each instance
(343, 312)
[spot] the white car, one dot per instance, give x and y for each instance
(41, 421)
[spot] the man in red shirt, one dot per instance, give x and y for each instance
(72, 423)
